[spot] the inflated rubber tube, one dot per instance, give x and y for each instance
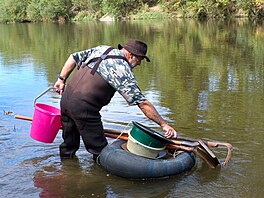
(128, 165)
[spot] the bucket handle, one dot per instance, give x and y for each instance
(45, 91)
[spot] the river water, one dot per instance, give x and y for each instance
(205, 78)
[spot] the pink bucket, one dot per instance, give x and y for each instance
(46, 123)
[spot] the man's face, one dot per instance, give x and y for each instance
(135, 60)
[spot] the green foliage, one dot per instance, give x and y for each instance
(214, 8)
(46, 10)
(120, 7)
(146, 13)
(84, 16)
(86, 5)
(61, 10)
(256, 8)
(14, 10)
(34, 10)
(150, 15)
(86, 10)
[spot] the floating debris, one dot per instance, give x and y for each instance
(8, 112)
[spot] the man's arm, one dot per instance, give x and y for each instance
(150, 111)
(65, 72)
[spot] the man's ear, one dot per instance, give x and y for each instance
(130, 55)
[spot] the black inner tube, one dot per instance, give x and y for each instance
(128, 165)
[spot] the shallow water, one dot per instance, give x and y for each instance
(205, 78)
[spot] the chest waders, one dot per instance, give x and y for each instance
(81, 102)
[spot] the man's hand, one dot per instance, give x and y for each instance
(170, 132)
(60, 85)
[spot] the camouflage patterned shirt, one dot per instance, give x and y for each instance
(117, 72)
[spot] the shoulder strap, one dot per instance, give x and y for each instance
(104, 56)
(99, 60)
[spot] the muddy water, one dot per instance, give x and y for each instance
(205, 78)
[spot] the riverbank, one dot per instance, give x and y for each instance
(76, 10)
(161, 12)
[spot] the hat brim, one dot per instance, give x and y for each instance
(144, 56)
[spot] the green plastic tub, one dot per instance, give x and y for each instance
(137, 132)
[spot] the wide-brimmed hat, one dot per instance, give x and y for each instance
(136, 47)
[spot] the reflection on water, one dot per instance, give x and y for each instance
(205, 78)
(83, 178)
